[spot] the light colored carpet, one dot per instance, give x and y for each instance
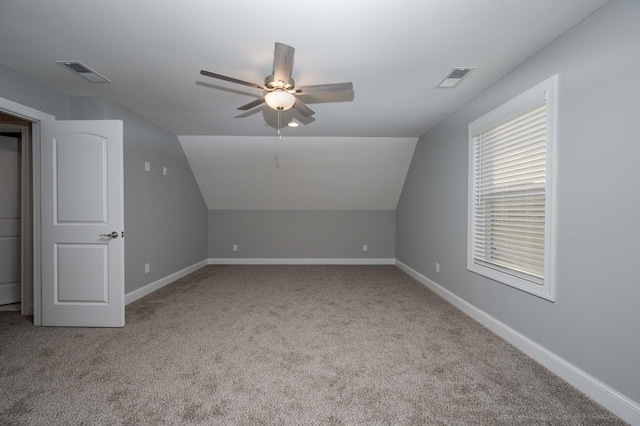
(335, 345)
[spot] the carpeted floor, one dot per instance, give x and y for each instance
(281, 345)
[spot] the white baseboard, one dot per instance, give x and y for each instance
(156, 285)
(302, 261)
(604, 395)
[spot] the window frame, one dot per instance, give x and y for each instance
(545, 91)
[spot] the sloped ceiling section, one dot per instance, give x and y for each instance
(299, 173)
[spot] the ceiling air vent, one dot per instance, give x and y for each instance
(455, 77)
(83, 71)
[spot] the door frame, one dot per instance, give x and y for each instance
(35, 117)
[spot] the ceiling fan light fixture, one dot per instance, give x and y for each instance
(280, 100)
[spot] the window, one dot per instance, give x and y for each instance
(510, 191)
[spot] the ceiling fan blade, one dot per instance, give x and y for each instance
(303, 109)
(251, 105)
(283, 62)
(324, 88)
(231, 79)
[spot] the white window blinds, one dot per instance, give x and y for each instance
(509, 180)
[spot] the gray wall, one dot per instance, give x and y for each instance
(165, 216)
(301, 233)
(595, 322)
(26, 91)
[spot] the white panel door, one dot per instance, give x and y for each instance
(82, 223)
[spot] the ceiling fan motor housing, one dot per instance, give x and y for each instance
(271, 83)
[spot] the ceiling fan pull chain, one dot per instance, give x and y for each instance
(275, 158)
(279, 135)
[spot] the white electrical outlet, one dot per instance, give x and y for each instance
(364, 247)
(147, 268)
(147, 166)
(235, 247)
(164, 171)
(437, 267)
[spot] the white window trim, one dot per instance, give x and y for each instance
(548, 90)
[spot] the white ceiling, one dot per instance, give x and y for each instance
(394, 51)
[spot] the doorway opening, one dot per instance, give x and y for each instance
(30, 293)
(16, 215)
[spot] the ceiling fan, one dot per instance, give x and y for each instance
(279, 88)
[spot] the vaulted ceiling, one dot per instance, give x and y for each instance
(394, 51)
